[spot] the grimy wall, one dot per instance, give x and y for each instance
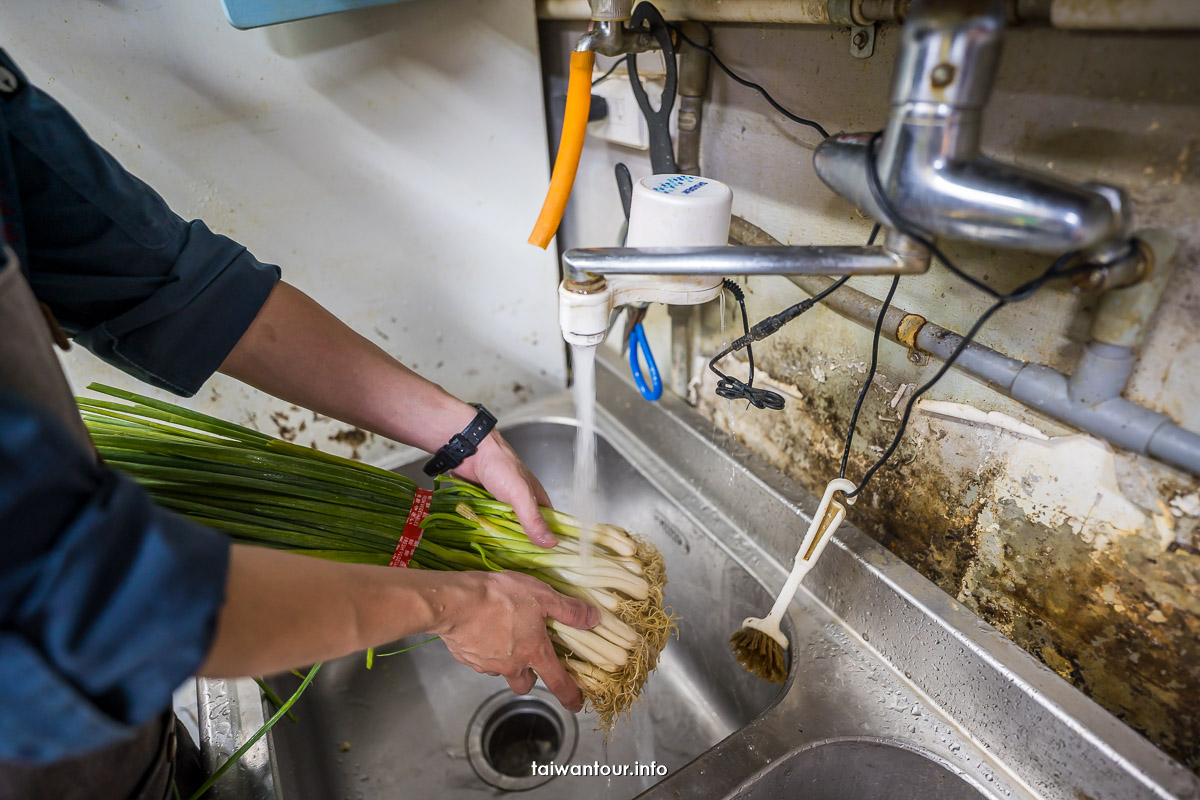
(388, 173)
(1088, 558)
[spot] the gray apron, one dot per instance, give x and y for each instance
(142, 767)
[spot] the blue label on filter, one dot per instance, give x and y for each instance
(680, 184)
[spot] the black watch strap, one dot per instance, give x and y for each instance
(462, 445)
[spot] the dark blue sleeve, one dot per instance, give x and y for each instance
(107, 603)
(160, 298)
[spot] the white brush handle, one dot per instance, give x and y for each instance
(803, 564)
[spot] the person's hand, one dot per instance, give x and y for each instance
(500, 629)
(496, 468)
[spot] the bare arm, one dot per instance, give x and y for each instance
(307, 610)
(282, 610)
(299, 352)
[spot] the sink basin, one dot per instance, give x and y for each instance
(861, 769)
(894, 689)
(406, 725)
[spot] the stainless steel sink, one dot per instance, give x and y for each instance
(894, 690)
(405, 727)
(863, 769)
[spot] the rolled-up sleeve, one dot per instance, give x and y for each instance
(160, 298)
(107, 603)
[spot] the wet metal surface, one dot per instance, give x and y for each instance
(402, 727)
(888, 672)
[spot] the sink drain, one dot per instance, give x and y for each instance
(509, 734)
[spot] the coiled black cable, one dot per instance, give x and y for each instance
(733, 388)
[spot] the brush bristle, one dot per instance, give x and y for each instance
(760, 654)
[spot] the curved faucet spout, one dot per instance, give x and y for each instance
(928, 163)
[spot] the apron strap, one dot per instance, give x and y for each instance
(142, 767)
(28, 366)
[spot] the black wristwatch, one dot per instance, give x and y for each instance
(462, 445)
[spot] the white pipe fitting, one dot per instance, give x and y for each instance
(667, 211)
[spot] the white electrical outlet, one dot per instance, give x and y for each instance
(625, 124)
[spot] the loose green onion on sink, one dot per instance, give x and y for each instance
(271, 493)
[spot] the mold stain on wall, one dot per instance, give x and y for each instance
(1088, 559)
(1092, 582)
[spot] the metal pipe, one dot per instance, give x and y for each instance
(813, 12)
(885, 10)
(1115, 419)
(681, 347)
(619, 10)
(1069, 14)
(1126, 14)
(928, 161)
(610, 37)
(693, 83)
(582, 264)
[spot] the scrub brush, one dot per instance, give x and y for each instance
(760, 645)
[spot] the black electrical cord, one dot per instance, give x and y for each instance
(1059, 269)
(962, 345)
(816, 126)
(773, 323)
(862, 395)
(733, 388)
(611, 70)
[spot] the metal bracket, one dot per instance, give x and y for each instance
(862, 40)
(906, 334)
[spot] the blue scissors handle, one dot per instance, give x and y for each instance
(637, 341)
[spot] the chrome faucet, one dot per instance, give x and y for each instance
(671, 210)
(926, 163)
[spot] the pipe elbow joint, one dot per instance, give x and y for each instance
(989, 202)
(971, 198)
(583, 311)
(928, 166)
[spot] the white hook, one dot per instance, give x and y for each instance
(805, 560)
(818, 520)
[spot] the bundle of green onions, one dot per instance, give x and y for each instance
(268, 492)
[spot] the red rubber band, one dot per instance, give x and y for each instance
(410, 537)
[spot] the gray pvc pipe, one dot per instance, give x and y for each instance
(1115, 419)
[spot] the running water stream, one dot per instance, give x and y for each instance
(583, 360)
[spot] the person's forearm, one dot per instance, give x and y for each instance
(283, 610)
(299, 352)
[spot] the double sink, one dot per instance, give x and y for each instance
(895, 691)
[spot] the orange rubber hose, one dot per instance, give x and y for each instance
(570, 147)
